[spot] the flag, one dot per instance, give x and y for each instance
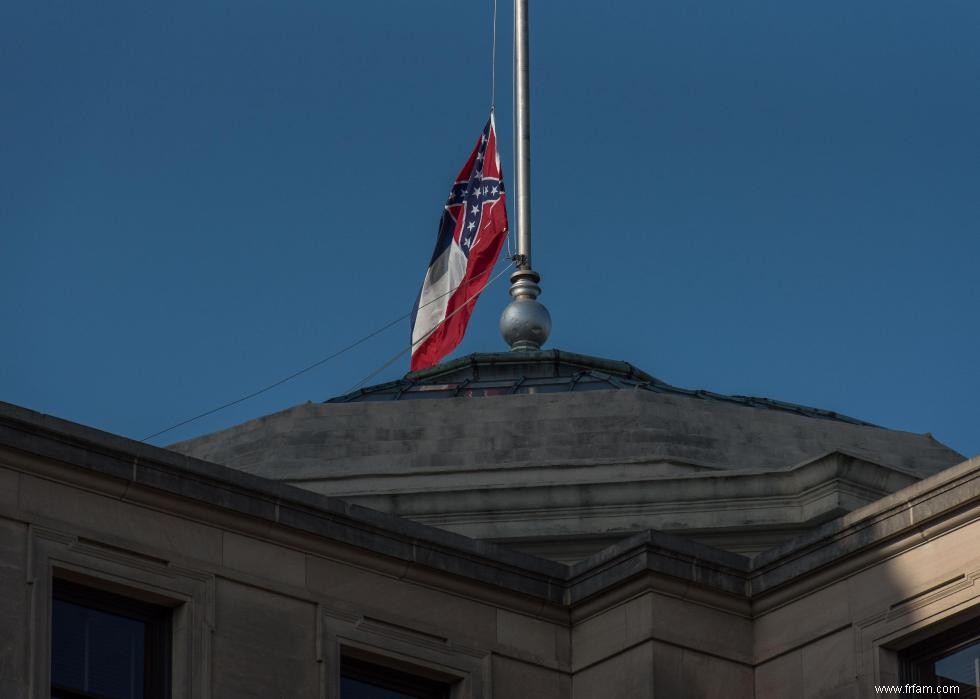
(471, 232)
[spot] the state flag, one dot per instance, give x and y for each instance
(472, 231)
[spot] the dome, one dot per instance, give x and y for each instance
(559, 454)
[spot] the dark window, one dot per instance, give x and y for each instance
(105, 646)
(363, 680)
(949, 659)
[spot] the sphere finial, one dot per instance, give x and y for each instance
(525, 323)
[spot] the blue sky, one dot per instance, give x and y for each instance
(775, 199)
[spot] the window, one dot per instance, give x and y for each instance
(360, 679)
(950, 659)
(105, 646)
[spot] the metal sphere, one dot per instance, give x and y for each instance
(525, 324)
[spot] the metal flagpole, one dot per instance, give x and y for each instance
(525, 323)
(522, 134)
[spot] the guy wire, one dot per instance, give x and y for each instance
(302, 371)
(411, 346)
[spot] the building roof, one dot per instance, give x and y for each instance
(548, 408)
(560, 454)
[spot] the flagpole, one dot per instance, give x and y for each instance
(522, 135)
(525, 324)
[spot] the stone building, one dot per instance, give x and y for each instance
(537, 524)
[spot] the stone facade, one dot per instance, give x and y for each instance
(271, 587)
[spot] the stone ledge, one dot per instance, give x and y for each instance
(942, 496)
(252, 496)
(652, 551)
(939, 498)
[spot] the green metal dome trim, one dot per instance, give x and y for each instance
(553, 361)
(550, 371)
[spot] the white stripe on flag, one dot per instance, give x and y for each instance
(441, 279)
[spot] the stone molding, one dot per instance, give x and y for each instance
(343, 632)
(801, 496)
(877, 531)
(53, 554)
(57, 448)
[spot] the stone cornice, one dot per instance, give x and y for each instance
(138, 464)
(96, 459)
(927, 508)
(801, 495)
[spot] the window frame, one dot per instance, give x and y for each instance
(402, 680)
(158, 637)
(401, 644)
(187, 592)
(917, 662)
